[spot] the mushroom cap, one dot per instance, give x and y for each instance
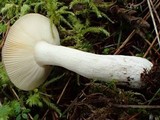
(18, 50)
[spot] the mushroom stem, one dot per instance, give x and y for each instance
(126, 69)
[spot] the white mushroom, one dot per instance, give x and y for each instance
(31, 48)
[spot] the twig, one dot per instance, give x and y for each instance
(137, 106)
(154, 96)
(14, 92)
(138, 4)
(154, 10)
(125, 42)
(151, 45)
(157, 4)
(45, 114)
(153, 20)
(133, 117)
(133, 32)
(5, 35)
(63, 91)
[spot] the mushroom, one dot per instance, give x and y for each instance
(32, 46)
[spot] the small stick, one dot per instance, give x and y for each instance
(154, 10)
(146, 53)
(5, 35)
(137, 106)
(125, 42)
(63, 91)
(133, 32)
(153, 20)
(14, 92)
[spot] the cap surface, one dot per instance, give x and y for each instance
(18, 50)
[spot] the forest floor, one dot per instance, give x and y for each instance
(114, 27)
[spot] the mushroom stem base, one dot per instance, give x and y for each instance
(126, 69)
